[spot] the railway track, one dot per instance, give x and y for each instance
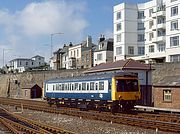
(163, 122)
(20, 125)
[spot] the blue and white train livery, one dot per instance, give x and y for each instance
(109, 90)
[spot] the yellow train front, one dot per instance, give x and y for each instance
(125, 92)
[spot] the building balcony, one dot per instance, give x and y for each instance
(154, 27)
(161, 26)
(158, 39)
(159, 13)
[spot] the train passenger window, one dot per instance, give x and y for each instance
(101, 85)
(96, 86)
(80, 86)
(65, 86)
(53, 87)
(47, 87)
(83, 86)
(91, 85)
(57, 86)
(72, 86)
(76, 86)
(69, 86)
(62, 87)
(87, 86)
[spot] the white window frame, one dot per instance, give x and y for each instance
(130, 50)
(161, 47)
(99, 56)
(174, 25)
(119, 50)
(151, 48)
(174, 41)
(118, 15)
(174, 11)
(167, 95)
(118, 38)
(118, 27)
(141, 50)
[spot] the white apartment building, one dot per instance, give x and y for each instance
(148, 32)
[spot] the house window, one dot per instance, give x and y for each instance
(26, 93)
(118, 50)
(20, 62)
(175, 58)
(174, 41)
(99, 56)
(130, 50)
(174, 25)
(174, 11)
(141, 15)
(150, 12)
(140, 37)
(26, 63)
(167, 95)
(77, 53)
(151, 35)
(141, 26)
(151, 48)
(151, 23)
(118, 27)
(118, 38)
(161, 47)
(160, 20)
(140, 50)
(118, 15)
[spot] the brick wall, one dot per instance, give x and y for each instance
(160, 103)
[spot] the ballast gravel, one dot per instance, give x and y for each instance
(84, 126)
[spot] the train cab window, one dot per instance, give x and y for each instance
(101, 85)
(76, 86)
(91, 85)
(126, 85)
(131, 85)
(96, 86)
(87, 84)
(83, 86)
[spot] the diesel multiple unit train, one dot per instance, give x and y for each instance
(110, 91)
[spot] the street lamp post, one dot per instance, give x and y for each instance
(4, 54)
(52, 41)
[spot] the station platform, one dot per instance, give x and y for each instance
(155, 109)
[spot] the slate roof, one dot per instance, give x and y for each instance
(169, 81)
(108, 45)
(128, 64)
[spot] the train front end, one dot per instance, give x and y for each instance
(125, 91)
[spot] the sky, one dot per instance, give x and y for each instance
(26, 25)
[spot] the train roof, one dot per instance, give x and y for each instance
(90, 77)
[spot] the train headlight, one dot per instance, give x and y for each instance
(120, 97)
